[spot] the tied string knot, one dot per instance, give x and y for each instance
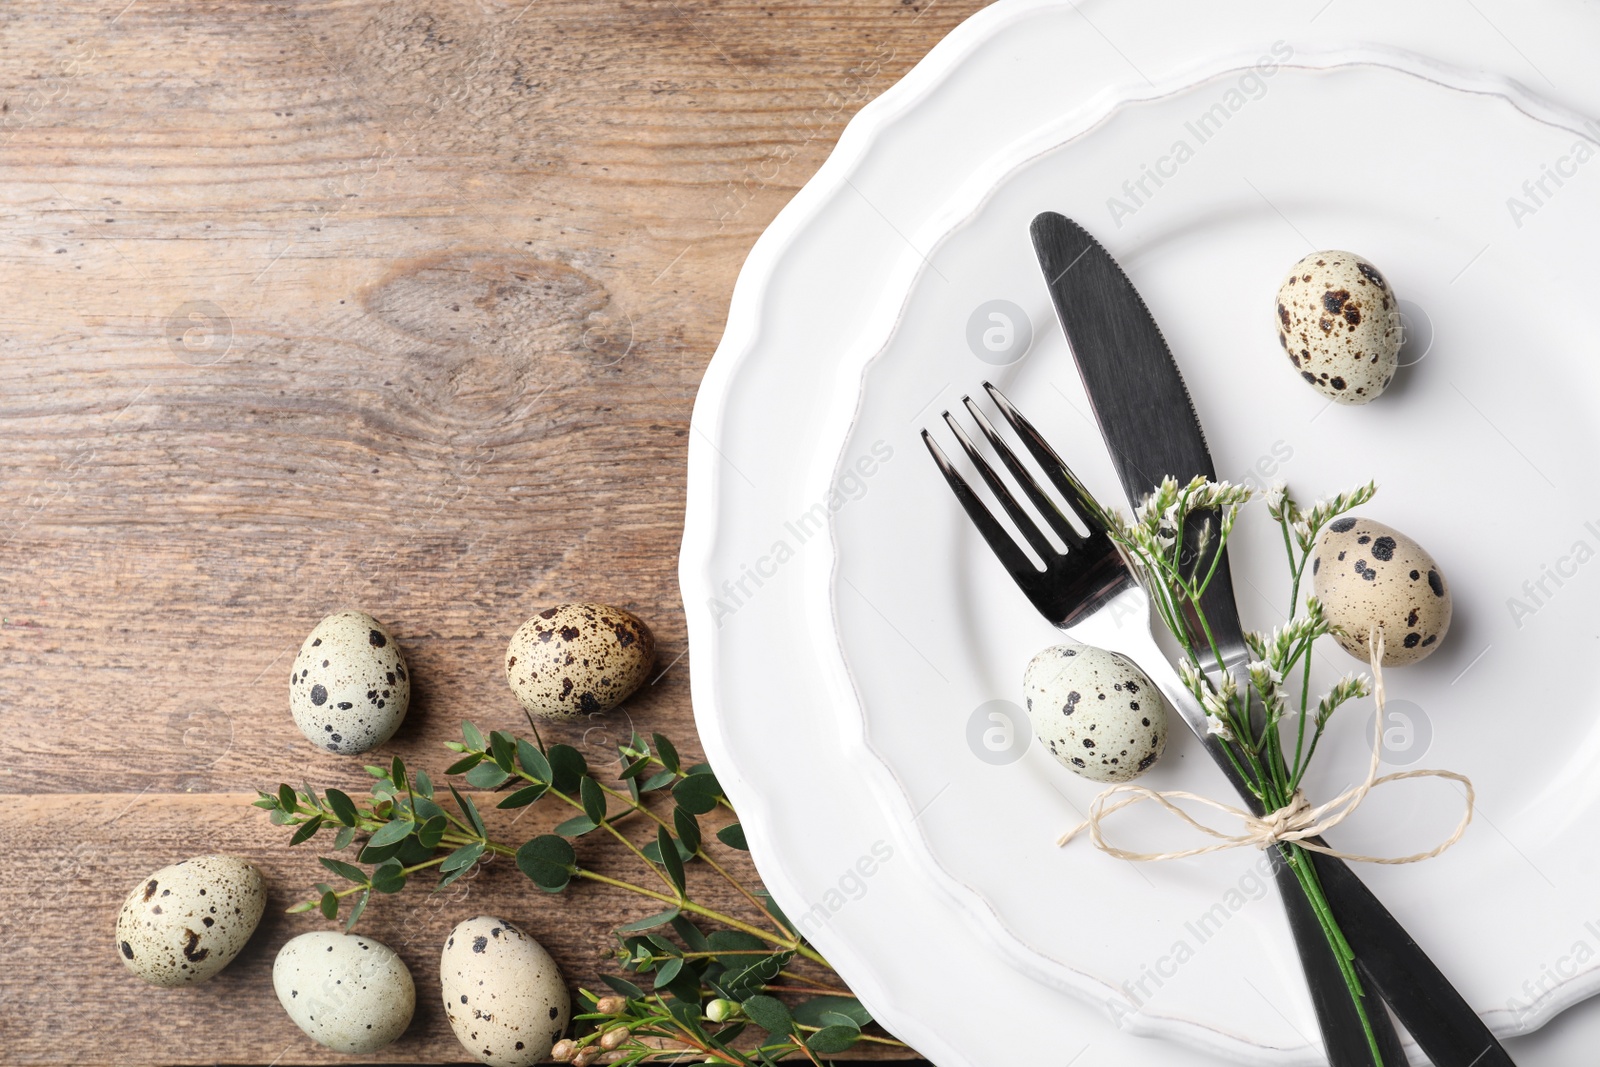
(1297, 821)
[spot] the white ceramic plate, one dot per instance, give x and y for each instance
(1484, 450)
(821, 292)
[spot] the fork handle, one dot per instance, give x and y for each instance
(1444, 1026)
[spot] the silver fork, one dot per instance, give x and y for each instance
(1089, 592)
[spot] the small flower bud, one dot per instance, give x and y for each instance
(720, 1011)
(612, 1038)
(610, 1005)
(585, 1057)
(563, 1050)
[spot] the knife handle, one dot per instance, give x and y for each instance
(1432, 1011)
(1342, 1037)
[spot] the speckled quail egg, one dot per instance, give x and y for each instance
(578, 659)
(349, 993)
(1098, 713)
(505, 998)
(349, 689)
(1340, 325)
(186, 922)
(1368, 575)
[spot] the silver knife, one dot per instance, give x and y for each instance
(1149, 424)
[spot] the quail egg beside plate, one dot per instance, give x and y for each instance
(346, 992)
(349, 688)
(504, 996)
(578, 659)
(186, 922)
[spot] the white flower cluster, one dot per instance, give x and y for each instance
(1350, 687)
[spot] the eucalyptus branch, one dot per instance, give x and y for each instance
(408, 827)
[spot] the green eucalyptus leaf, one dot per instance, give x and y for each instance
(391, 833)
(397, 774)
(344, 870)
(503, 751)
(470, 735)
(487, 775)
(649, 922)
(303, 906)
(691, 934)
(659, 780)
(470, 810)
(833, 1018)
(576, 826)
(832, 1039)
(344, 809)
(697, 793)
(670, 858)
(377, 772)
(770, 1014)
(389, 877)
(432, 831)
(412, 852)
(533, 760)
(810, 1012)
(361, 906)
(286, 798)
(549, 861)
(426, 809)
(424, 784)
(567, 767)
(732, 835)
(688, 828)
(735, 941)
(452, 876)
(746, 979)
(463, 857)
(307, 830)
(634, 769)
(465, 764)
(594, 801)
(265, 800)
(730, 1032)
(666, 752)
(524, 796)
(377, 855)
(330, 905)
(667, 971)
(623, 986)
(342, 839)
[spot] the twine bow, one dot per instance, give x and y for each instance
(1296, 821)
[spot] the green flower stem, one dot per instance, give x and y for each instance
(794, 945)
(1300, 862)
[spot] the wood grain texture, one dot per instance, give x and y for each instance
(373, 304)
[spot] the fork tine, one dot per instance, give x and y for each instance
(1000, 542)
(1060, 475)
(1041, 502)
(1024, 522)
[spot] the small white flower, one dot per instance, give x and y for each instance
(1275, 496)
(1215, 726)
(1260, 670)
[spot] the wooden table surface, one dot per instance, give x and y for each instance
(368, 303)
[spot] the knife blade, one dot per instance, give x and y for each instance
(1149, 424)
